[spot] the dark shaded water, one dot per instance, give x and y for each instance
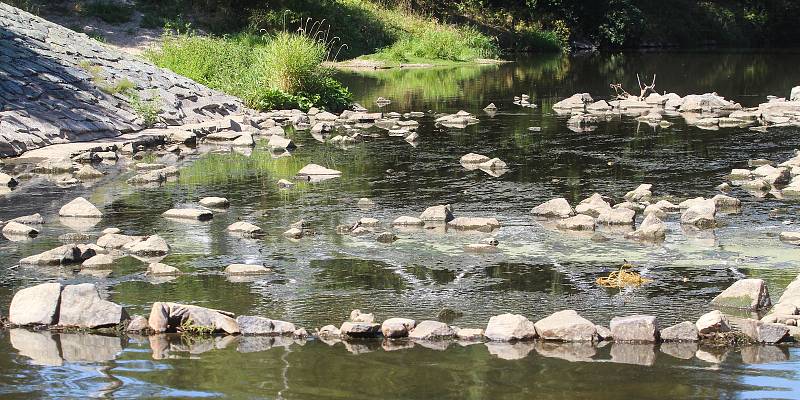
(537, 271)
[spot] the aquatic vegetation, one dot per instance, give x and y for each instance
(622, 277)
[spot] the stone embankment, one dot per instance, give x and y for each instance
(60, 86)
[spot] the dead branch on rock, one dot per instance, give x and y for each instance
(622, 94)
(645, 89)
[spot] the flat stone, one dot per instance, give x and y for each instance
(80, 207)
(509, 327)
(473, 158)
(36, 305)
(408, 221)
(189, 213)
(62, 255)
(634, 328)
(474, 223)
(82, 307)
(748, 294)
(682, 332)
(252, 325)
(314, 169)
(153, 245)
(712, 322)
(33, 219)
(566, 326)
(469, 334)
(246, 269)
(430, 330)
(16, 229)
(215, 202)
(245, 228)
(555, 208)
(99, 260)
(397, 327)
(159, 269)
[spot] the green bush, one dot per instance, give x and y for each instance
(441, 42)
(284, 71)
(108, 11)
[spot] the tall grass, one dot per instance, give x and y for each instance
(267, 72)
(441, 42)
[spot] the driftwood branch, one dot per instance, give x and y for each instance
(644, 89)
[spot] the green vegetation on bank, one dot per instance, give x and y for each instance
(268, 72)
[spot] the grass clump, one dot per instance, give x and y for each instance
(148, 109)
(440, 42)
(268, 72)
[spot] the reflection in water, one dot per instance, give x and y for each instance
(537, 270)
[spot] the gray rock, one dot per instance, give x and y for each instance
(159, 269)
(430, 330)
(314, 169)
(408, 221)
(651, 229)
(682, 332)
(36, 305)
(280, 143)
(99, 260)
(116, 240)
(66, 254)
(763, 332)
(293, 233)
(33, 219)
(386, 237)
(634, 328)
(244, 228)
(509, 327)
(189, 213)
(173, 316)
(593, 206)
(138, 323)
(251, 325)
(16, 229)
(153, 245)
(616, 216)
(469, 334)
(555, 208)
(748, 294)
(215, 202)
(360, 329)
(474, 223)
(397, 327)
(603, 333)
(580, 222)
(473, 158)
(641, 194)
(79, 207)
(82, 307)
(712, 322)
(701, 215)
(566, 326)
(246, 269)
(7, 181)
(440, 213)
(726, 202)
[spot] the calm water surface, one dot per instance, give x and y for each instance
(538, 270)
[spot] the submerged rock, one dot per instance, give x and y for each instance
(314, 169)
(159, 269)
(474, 159)
(748, 294)
(474, 223)
(80, 207)
(509, 327)
(246, 269)
(244, 228)
(36, 305)
(215, 202)
(408, 221)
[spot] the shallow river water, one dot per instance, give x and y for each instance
(538, 270)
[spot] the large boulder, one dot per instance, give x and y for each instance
(712, 322)
(360, 329)
(16, 229)
(397, 327)
(634, 328)
(764, 332)
(682, 332)
(36, 305)
(566, 326)
(555, 208)
(701, 214)
(428, 330)
(153, 245)
(171, 317)
(748, 294)
(82, 307)
(509, 327)
(80, 207)
(440, 213)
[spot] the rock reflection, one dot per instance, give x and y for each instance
(762, 354)
(633, 353)
(510, 351)
(80, 224)
(682, 350)
(40, 347)
(573, 351)
(46, 348)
